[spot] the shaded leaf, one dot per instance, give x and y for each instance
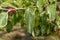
(37, 31)
(43, 23)
(9, 27)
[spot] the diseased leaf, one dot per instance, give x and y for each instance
(3, 19)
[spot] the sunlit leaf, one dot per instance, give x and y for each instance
(40, 4)
(6, 4)
(29, 19)
(10, 1)
(3, 19)
(51, 1)
(19, 3)
(51, 9)
(44, 1)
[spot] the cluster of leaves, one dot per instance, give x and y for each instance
(39, 15)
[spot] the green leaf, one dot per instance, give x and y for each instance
(39, 5)
(6, 4)
(48, 30)
(19, 3)
(9, 27)
(37, 31)
(10, 1)
(43, 23)
(51, 1)
(44, 1)
(43, 30)
(58, 20)
(30, 19)
(59, 6)
(51, 9)
(3, 19)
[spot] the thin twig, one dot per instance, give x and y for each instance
(16, 8)
(47, 2)
(13, 9)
